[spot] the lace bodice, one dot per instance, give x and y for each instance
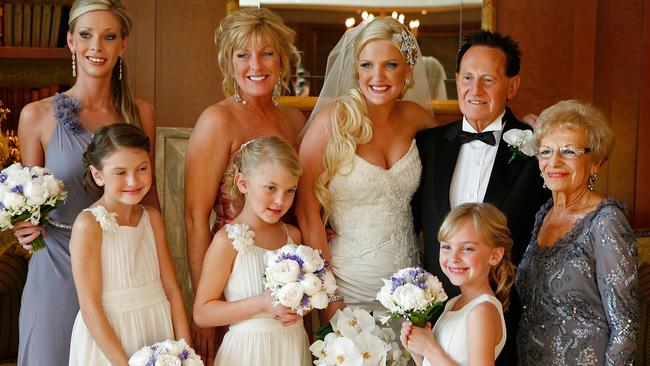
(371, 215)
(579, 296)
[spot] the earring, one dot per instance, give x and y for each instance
(236, 95)
(543, 181)
(74, 64)
(277, 92)
(592, 181)
(406, 83)
(120, 74)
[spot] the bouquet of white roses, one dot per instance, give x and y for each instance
(167, 353)
(298, 278)
(28, 193)
(412, 293)
(357, 340)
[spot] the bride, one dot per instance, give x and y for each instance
(361, 164)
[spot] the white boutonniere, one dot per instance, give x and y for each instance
(520, 142)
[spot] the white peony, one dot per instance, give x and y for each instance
(329, 282)
(288, 248)
(35, 192)
(165, 359)
(409, 296)
(311, 284)
(290, 295)
(13, 201)
(284, 271)
(141, 357)
(386, 298)
(312, 260)
(174, 347)
(319, 300)
(52, 185)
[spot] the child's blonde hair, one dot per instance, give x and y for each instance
(492, 226)
(268, 149)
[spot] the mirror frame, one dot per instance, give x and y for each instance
(441, 106)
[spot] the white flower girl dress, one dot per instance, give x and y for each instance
(133, 297)
(261, 340)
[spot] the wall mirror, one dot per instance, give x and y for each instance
(319, 24)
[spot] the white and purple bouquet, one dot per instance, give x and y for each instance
(412, 293)
(28, 193)
(298, 278)
(167, 353)
(357, 340)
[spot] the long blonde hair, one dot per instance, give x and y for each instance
(267, 149)
(122, 96)
(492, 226)
(350, 125)
(261, 27)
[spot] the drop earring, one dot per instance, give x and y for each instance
(543, 181)
(277, 92)
(236, 95)
(120, 71)
(74, 64)
(592, 181)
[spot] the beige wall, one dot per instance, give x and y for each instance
(173, 57)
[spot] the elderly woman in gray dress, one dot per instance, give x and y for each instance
(578, 279)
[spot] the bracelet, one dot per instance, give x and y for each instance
(332, 298)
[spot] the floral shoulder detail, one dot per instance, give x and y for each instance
(241, 236)
(66, 111)
(107, 220)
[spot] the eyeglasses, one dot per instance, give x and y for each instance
(566, 152)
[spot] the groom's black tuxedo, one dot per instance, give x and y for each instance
(515, 188)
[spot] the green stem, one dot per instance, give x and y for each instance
(37, 244)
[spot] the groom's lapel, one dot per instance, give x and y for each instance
(444, 165)
(504, 174)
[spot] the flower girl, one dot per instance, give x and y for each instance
(122, 269)
(265, 175)
(475, 246)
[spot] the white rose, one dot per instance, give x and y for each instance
(141, 357)
(285, 271)
(51, 185)
(435, 289)
(13, 169)
(18, 178)
(168, 360)
(38, 171)
(290, 295)
(312, 261)
(311, 284)
(410, 297)
(35, 192)
(319, 300)
(386, 298)
(329, 282)
(289, 249)
(13, 201)
(173, 347)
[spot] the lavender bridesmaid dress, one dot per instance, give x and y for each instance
(49, 303)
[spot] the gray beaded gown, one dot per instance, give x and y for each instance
(579, 296)
(49, 303)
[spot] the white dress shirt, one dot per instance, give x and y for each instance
(474, 165)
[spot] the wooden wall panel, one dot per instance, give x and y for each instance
(596, 51)
(187, 77)
(141, 52)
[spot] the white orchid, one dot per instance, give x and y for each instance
(520, 141)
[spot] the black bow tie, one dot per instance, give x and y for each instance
(487, 137)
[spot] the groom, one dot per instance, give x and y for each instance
(468, 160)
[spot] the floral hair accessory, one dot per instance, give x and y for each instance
(245, 144)
(520, 142)
(408, 45)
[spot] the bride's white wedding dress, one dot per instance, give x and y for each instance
(371, 215)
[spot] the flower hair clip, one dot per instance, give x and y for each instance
(408, 45)
(242, 146)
